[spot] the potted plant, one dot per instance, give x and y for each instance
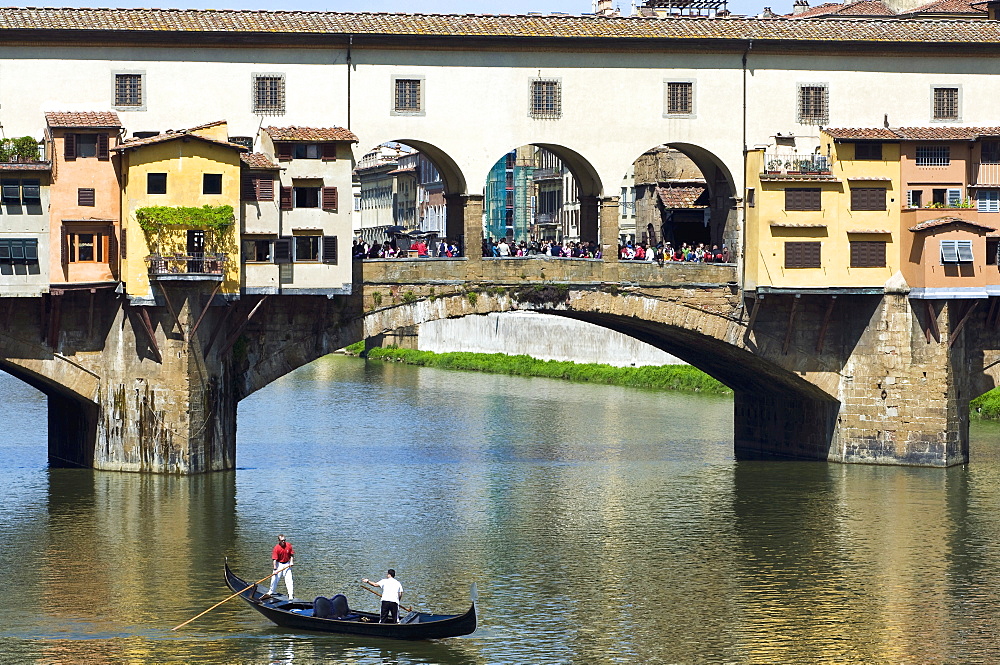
(774, 166)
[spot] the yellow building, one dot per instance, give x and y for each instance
(827, 221)
(176, 226)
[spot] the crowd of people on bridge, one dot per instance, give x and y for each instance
(504, 249)
(421, 248)
(665, 252)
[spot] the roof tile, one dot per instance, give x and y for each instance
(171, 136)
(681, 197)
(945, 221)
(102, 119)
(911, 133)
(294, 133)
(257, 160)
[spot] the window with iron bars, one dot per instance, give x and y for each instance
(933, 155)
(814, 104)
(946, 103)
(680, 97)
(546, 99)
(408, 95)
(269, 94)
(128, 89)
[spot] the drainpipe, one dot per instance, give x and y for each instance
(350, 44)
(741, 258)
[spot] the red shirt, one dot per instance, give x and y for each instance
(283, 554)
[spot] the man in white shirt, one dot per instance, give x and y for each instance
(392, 591)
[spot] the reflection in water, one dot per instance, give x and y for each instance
(601, 524)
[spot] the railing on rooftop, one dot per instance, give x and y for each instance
(985, 174)
(791, 163)
(202, 263)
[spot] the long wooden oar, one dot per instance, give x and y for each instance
(249, 586)
(408, 609)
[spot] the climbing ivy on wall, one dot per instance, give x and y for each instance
(157, 222)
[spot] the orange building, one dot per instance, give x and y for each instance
(85, 197)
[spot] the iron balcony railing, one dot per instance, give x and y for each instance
(207, 263)
(790, 162)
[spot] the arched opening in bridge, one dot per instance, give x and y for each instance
(408, 194)
(542, 199)
(679, 197)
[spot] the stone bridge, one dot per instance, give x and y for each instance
(845, 378)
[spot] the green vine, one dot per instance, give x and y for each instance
(157, 221)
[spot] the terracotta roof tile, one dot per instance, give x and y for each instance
(257, 160)
(948, 7)
(172, 136)
(214, 123)
(681, 197)
(860, 8)
(294, 133)
(945, 221)
(297, 24)
(82, 118)
(911, 133)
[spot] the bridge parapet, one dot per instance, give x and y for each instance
(543, 269)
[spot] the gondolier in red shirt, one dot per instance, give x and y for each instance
(282, 558)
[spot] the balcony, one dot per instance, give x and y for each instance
(795, 164)
(209, 266)
(547, 173)
(985, 174)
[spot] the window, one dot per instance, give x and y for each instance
(990, 152)
(914, 198)
(868, 198)
(751, 197)
(86, 145)
(408, 96)
(802, 254)
(307, 248)
(31, 192)
(306, 197)
(956, 251)
(680, 98)
(992, 250)
(257, 188)
(803, 198)
(211, 183)
(245, 141)
(11, 192)
(306, 151)
(868, 151)
(947, 197)
(814, 104)
(18, 250)
(85, 244)
(17, 192)
(156, 183)
(546, 99)
(269, 94)
(945, 103)
(933, 155)
(128, 90)
(988, 200)
(257, 250)
(86, 196)
(867, 254)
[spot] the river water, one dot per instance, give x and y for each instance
(601, 525)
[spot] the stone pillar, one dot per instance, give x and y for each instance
(465, 222)
(589, 216)
(167, 401)
(609, 228)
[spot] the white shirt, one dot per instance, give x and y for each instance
(390, 589)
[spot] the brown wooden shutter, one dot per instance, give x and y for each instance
(284, 151)
(867, 254)
(802, 255)
(330, 250)
(247, 190)
(868, 198)
(113, 251)
(102, 147)
(69, 146)
(85, 196)
(329, 198)
(265, 188)
(64, 249)
(329, 152)
(286, 198)
(803, 198)
(283, 250)
(123, 248)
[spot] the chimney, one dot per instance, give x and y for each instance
(800, 6)
(603, 8)
(767, 13)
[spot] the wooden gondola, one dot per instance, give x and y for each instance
(299, 614)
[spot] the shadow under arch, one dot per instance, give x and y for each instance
(72, 420)
(451, 173)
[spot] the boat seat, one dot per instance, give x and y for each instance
(339, 608)
(322, 608)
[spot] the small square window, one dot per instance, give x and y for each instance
(211, 183)
(868, 198)
(156, 183)
(128, 90)
(933, 155)
(803, 198)
(546, 99)
(956, 251)
(946, 104)
(86, 145)
(680, 97)
(988, 200)
(86, 197)
(307, 248)
(867, 254)
(306, 197)
(868, 151)
(11, 192)
(306, 151)
(914, 198)
(802, 255)
(408, 95)
(990, 152)
(814, 104)
(258, 251)
(269, 94)
(31, 192)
